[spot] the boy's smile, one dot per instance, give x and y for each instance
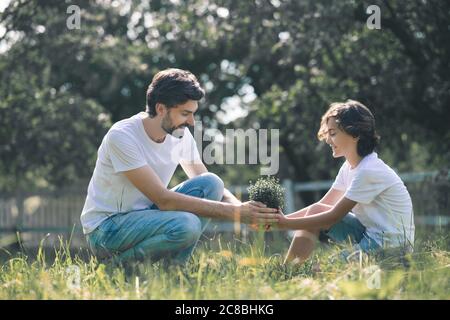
(342, 144)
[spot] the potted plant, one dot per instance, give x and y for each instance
(268, 191)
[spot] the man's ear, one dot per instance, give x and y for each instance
(160, 109)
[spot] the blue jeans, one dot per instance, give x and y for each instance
(153, 233)
(350, 228)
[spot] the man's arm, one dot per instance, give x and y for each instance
(229, 197)
(193, 169)
(197, 168)
(146, 181)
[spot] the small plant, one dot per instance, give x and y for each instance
(268, 191)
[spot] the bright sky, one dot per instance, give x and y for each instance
(4, 4)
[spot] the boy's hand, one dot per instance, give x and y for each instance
(281, 224)
(283, 221)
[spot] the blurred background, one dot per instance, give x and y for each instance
(264, 64)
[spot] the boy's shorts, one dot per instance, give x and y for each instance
(350, 228)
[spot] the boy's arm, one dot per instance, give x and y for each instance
(318, 221)
(330, 199)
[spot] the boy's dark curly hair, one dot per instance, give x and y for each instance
(355, 119)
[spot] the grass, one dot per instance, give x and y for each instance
(233, 270)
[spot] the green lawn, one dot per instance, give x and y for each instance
(234, 270)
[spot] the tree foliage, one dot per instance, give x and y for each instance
(61, 89)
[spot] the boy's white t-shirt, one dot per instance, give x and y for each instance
(383, 206)
(127, 146)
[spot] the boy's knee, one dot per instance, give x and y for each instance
(307, 234)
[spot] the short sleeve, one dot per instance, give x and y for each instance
(124, 152)
(189, 151)
(339, 182)
(366, 186)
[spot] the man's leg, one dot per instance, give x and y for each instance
(304, 241)
(140, 234)
(157, 233)
(206, 186)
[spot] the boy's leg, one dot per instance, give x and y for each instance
(304, 241)
(349, 230)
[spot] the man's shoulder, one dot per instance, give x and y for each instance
(124, 127)
(126, 123)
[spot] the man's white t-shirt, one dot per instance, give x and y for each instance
(383, 206)
(127, 146)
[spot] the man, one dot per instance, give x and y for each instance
(129, 213)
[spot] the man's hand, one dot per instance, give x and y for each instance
(280, 225)
(254, 212)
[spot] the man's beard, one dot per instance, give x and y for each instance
(175, 131)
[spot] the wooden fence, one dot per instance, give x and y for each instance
(33, 216)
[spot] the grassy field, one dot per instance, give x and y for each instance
(234, 270)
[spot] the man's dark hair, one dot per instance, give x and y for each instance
(355, 119)
(172, 87)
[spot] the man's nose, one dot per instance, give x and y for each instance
(191, 121)
(328, 140)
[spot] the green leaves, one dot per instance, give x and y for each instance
(268, 191)
(296, 56)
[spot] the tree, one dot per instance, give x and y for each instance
(297, 57)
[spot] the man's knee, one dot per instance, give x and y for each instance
(187, 230)
(213, 186)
